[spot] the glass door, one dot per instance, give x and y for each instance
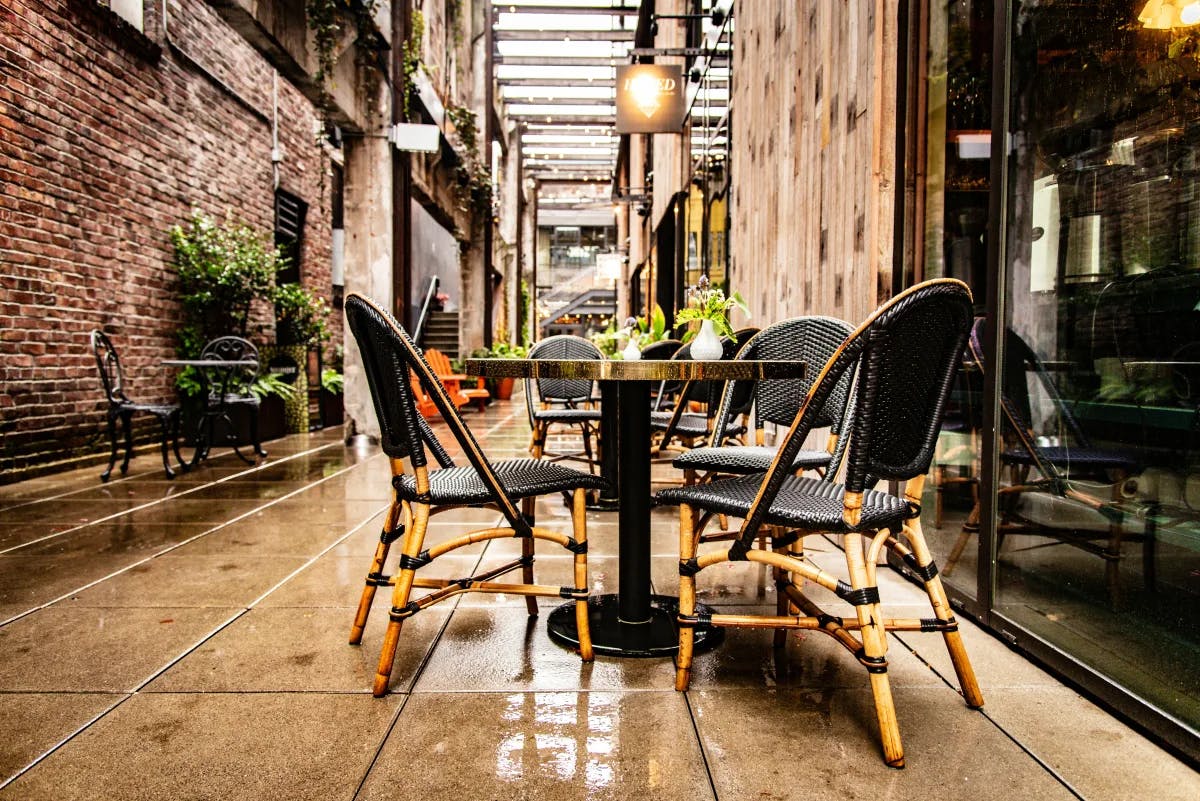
(1097, 499)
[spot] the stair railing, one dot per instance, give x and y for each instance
(426, 306)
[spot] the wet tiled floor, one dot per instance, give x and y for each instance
(187, 640)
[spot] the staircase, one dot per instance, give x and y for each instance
(441, 332)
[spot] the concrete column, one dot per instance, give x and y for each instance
(368, 253)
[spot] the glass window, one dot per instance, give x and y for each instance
(1098, 539)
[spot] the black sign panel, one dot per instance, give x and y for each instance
(650, 98)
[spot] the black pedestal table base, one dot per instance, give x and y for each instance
(658, 636)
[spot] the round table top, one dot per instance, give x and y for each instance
(619, 370)
(209, 363)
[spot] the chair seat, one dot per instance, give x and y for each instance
(560, 415)
(743, 460)
(690, 424)
(1085, 459)
(520, 478)
(806, 503)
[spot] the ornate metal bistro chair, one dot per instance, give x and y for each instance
(120, 407)
(390, 358)
(904, 357)
(228, 388)
(562, 402)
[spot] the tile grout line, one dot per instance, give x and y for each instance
(177, 545)
(164, 499)
(712, 784)
(205, 638)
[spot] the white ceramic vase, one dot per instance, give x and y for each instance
(707, 345)
(631, 352)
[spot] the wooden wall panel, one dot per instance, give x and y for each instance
(813, 132)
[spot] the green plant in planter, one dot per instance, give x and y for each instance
(299, 316)
(224, 270)
(332, 381)
(473, 178)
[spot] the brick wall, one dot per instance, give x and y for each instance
(108, 137)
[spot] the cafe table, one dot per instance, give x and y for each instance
(225, 367)
(634, 622)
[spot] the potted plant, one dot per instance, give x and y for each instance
(711, 307)
(299, 325)
(333, 385)
(501, 388)
(225, 270)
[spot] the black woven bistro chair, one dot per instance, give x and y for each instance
(680, 429)
(662, 393)
(1072, 470)
(390, 359)
(562, 402)
(121, 407)
(812, 340)
(903, 357)
(229, 389)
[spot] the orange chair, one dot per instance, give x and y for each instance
(454, 382)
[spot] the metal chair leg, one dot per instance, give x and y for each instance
(112, 438)
(127, 424)
(529, 513)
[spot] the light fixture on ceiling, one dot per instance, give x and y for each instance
(1165, 14)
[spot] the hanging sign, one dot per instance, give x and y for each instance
(650, 98)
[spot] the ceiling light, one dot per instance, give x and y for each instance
(1165, 14)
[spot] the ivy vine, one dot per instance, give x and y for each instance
(410, 59)
(473, 178)
(324, 21)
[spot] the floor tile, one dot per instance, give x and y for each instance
(74, 649)
(36, 722)
(824, 743)
(223, 747)
(300, 650)
(176, 579)
(1082, 743)
(593, 746)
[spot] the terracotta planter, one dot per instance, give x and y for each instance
(503, 388)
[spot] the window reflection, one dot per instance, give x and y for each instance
(1099, 505)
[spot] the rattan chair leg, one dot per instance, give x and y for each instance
(529, 512)
(587, 448)
(395, 511)
(941, 607)
(414, 538)
(687, 596)
(579, 530)
(874, 653)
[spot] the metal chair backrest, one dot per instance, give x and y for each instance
(230, 381)
(903, 359)
(390, 357)
(810, 339)
(109, 365)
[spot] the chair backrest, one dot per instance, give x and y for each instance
(109, 365)
(661, 351)
(564, 346)
(390, 358)
(903, 358)
(811, 339)
(225, 381)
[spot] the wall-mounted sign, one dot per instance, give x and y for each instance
(650, 98)
(285, 368)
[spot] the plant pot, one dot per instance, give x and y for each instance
(332, 409)
(503, 388)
